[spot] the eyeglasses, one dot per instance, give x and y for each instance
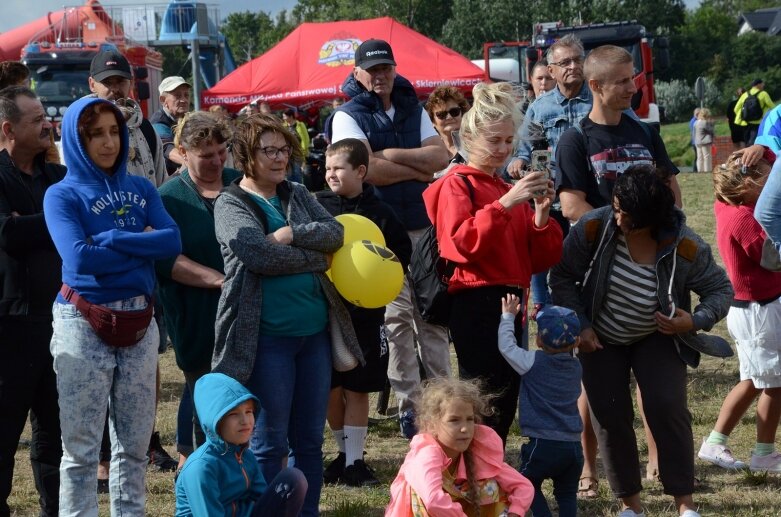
(273, 152)
(564, 63)
(453, 112)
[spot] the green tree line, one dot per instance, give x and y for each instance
(703, 40)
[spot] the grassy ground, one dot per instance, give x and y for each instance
(722, 493)
(677, 140)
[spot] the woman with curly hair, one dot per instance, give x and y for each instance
(445, 107)
(628, 270)
(277, 306)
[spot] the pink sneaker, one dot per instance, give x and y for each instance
(770, 463)
(719, 455)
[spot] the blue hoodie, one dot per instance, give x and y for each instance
(97, 221)
(219, 478)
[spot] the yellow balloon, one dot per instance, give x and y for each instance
(366, 274)
(360, 228)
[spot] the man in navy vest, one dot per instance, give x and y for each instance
(405, 152)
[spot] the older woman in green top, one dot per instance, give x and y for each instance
(190, 284)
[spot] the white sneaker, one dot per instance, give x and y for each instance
(770, 463)
(719, 455)
(630, 513)
(690, 513)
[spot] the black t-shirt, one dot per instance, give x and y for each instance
(592, 160)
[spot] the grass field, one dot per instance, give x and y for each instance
(721, 493)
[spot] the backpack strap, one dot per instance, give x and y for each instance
(150, 136)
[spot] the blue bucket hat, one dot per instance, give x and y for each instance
(558, 327)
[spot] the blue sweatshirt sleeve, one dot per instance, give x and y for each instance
(78, 255)
(161, 243)
(202, 490)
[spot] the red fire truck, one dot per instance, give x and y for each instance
(59, 56)
(513, 61)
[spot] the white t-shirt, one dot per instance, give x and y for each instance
(344, 126)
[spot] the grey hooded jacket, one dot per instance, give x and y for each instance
(693, 269)
(249, 257)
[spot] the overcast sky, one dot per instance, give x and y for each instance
(18, 12)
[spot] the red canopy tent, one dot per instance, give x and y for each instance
(310, 64)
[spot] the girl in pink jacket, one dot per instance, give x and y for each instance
(455, 466)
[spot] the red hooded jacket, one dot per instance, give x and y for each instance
(489, 244)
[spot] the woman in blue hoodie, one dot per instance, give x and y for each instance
(109, 228)
(222, 477)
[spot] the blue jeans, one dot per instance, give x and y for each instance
(559, 461)
(89, 374)
(184, 423)
(292, 379)
(768, 209)
(283, 497)
(539, 289)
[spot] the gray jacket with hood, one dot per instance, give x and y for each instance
(249, 257)
(684, 263)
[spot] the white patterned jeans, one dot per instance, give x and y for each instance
(90, 373)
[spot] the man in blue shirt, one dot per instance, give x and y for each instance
(546, 119)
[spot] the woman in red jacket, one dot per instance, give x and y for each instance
(489, 230)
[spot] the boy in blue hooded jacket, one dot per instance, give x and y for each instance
(222, 476)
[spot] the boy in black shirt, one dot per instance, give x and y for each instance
(346, 166)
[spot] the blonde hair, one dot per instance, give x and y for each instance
(493, 102)
(198, 127)
(601, 59)
(704, 113)
(434, 400)
(246, 140)
(731, 181)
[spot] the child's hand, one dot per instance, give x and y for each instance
(511, 304)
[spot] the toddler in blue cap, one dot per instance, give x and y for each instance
(548, 403)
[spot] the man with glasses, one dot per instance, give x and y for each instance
(404, 153)
(549, 115)
(174, 104)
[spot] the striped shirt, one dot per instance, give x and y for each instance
(627, 314)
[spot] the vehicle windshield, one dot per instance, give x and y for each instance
(59, 86)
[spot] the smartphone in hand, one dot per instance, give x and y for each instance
(540, 162)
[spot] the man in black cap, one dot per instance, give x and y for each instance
(405, 151)
(111, 79)
(750, 109)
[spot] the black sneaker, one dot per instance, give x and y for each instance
(159, 459)
(335, 470)
(359, 474)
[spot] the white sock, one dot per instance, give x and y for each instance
(354, 442)
(339, 439)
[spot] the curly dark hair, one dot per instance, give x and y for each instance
(441, 95)
(643, 192)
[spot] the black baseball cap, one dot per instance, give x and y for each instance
(374, 52)
(757, 82)
(109, 63)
